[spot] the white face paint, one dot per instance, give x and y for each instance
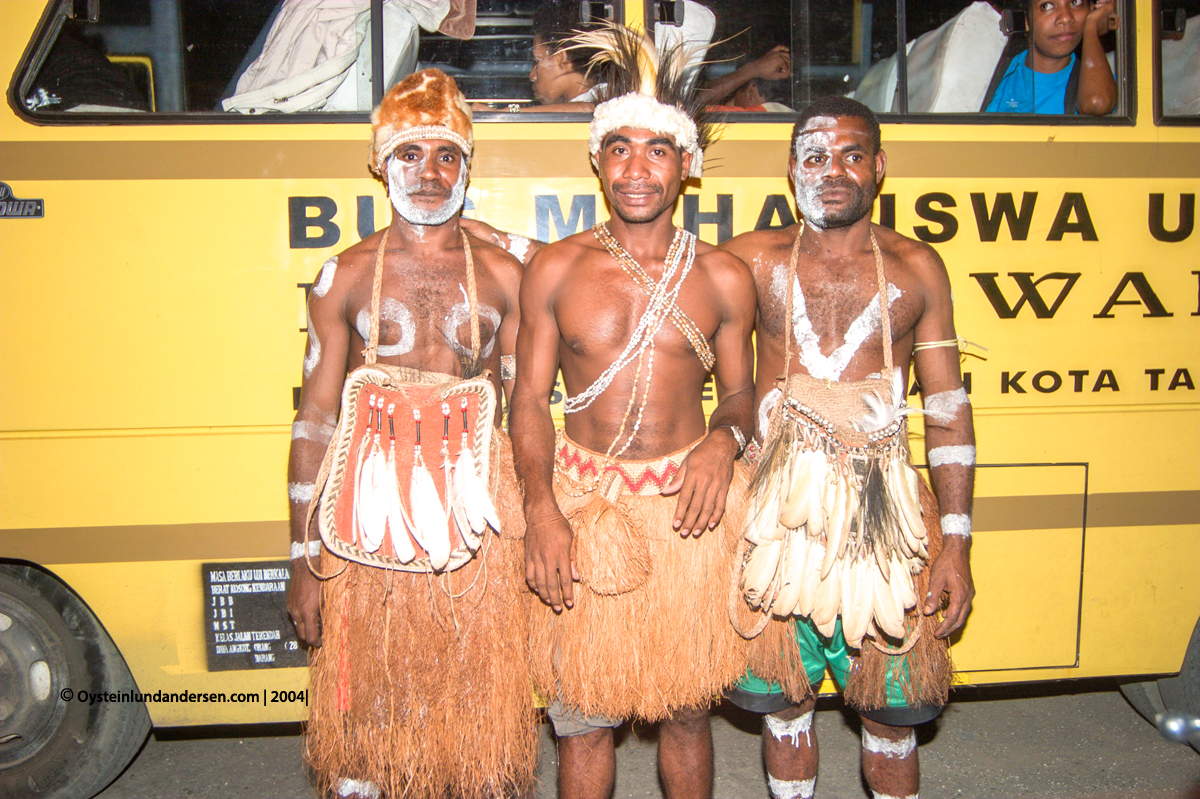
(518, 246)
(764, 416)
(459, 315)
(318, 432)
(889, 749)
(314, 349)
(830, 367)
(962, 455)
(815, 139)
(946, 404)
(956, 524)
(300, 492)
(782, 730)
(392, 311)
(399, 191)
(325, 279)
(791, 789)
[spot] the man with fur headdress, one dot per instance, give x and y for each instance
(844, 546)
(419, 679)
(631, 520)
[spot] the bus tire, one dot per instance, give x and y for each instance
(1182, 693)
(51, 649)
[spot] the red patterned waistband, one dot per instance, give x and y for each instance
(591, 470)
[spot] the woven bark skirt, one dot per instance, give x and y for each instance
(421, 685)
(648, 634)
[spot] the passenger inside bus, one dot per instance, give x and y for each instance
(752, 86)
(1048, 77)
(560, 77)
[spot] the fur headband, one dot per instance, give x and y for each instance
(425, 105)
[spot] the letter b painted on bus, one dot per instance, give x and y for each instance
(308, 213)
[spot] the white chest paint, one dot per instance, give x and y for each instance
(459, 315)
(830, 367)
(394, 311)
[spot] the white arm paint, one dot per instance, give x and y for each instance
(314, 549)
(959, 455)
(325, 279)
(318, 432)
(945, 405)
(956, 524)
(300, 492)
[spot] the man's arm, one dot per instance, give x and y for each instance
(775, 64)
(320, 397)
(950, 448)
(548, 567)
(704, 476)
(1097, 86)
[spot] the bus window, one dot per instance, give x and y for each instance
(1179, 43)
(214, 60)
(961, 57)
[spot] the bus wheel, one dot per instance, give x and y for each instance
(54, 656)
(1182, 693)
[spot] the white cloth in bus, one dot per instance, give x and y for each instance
(696, 32)
(949, 68)
(317, 56)
(1180, 66)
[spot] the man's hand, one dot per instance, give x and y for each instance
(703, 483)
(775, 64)
(304, 603)
(951, 574)
(1102, 18)
(549, 570)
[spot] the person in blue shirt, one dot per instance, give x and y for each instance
(1045, 78)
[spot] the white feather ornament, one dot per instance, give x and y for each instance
(430, 523)
(371, 504)
(397, 519)
(470, 490)
(881, 413)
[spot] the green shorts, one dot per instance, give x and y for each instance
(819, 653)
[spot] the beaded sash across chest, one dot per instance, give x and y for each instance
(834, 526)
(662, 306)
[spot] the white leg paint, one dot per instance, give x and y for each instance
(960, 455)
(363, 789)
(878, 795)
(300, 492)
(791, 789)
(830, 367)
(782, 730)
(325, 279)
(890, 749)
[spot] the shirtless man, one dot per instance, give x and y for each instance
(837, 164)
(422, 140)
(625, 544)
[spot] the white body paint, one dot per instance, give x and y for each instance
(300, 492)
(364, 789)
(947, 403)
(399, 191)
(782, 730)
(459, 315)
(830, 367)
(878, 795)
(518, 246)
(813, 141)
(314, 349)
(959, 455)
(764, 418)
(791, 789)
(392, 311)
(325, 279)
(297, 550)
(319, 432)
(891, 749)
(956, 524)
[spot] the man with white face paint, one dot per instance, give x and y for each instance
(419, 680)
(843, 307)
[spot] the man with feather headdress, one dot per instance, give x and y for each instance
(417, 620)
(632, 523)
(847, 557)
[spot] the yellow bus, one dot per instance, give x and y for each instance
(161, 223)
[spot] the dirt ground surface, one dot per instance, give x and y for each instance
(1059, 741)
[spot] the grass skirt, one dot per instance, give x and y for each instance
(649, 633)
(420, 686)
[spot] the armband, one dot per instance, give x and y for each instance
(508, 367)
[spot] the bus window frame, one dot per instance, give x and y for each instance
(1126, 116)
(46, 33)
(1161, 119)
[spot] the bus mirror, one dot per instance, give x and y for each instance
(1174, 22)
(1012, 21)
(669, 12)
(88, 10)
(596, 12)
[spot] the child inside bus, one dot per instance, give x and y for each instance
(1048, 77)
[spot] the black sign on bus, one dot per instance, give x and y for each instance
(12, 207)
